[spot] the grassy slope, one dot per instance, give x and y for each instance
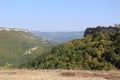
(14, 44)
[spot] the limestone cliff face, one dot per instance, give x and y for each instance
(90, 31)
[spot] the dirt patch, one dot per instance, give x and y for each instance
(68, 74)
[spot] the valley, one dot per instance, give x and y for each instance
(60, 40)
(97, 50)
(59, 37)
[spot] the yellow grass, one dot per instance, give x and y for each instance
(58, 75)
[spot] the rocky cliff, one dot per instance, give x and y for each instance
(110, 29)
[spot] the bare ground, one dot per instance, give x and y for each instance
(58, 75)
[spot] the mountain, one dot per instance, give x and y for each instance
(59, 37)
(100, 51)
(19, 45)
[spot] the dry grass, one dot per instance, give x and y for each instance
(58, 75)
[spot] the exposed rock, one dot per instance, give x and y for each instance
(110, 29)
(12, 29)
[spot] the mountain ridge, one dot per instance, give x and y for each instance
(12, 29)
(18, 46)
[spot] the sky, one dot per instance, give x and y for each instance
(58, 15)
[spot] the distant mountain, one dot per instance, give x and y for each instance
(59, 37)
(18, 46)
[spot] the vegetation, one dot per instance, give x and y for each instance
(15, 47)
(25, 74)
(98, 51)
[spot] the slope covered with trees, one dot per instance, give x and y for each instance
(94, 52)
(17, 47)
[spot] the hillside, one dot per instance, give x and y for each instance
(18, 46)
(94, 52)
(59, 37)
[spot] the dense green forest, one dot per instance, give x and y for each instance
(98, 51)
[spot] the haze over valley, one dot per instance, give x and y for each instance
(59, 37)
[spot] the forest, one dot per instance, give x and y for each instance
(99, 51)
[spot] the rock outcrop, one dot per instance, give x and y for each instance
(12, 29)
(110, 29)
